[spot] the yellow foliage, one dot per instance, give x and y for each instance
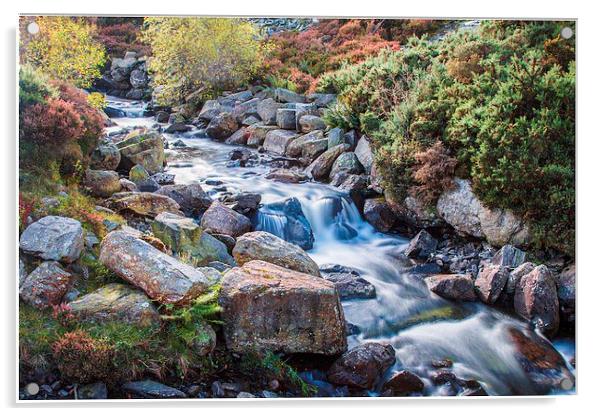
(96, 100)
(200, 54)
(65, 49)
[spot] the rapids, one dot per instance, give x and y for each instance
(419, 324)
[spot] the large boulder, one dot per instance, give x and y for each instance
(163, 278)
(142, 147)
(565, 284)
(46, 285)
(260, 245)
(287, 175)
(116, 302)
(142, 203)
(102, 183)
(268, 307)
(490, 282)
(245, 109)
(293, 225)
(210, 110)
(222, 126)
(516, 275)
(191, 198)
(239, 137)
(364, 153)
(320, 168)
(183, 235)
(295, 148)
(363, 366)
(346, 163)
(54, 238)
(267, 110)
(452, 286)
(257, 134)
(348, 282)
(219, 219)
(461, 209)
(277, 141)
(105, 157)
(138, 79)
(287, 96)
(378, 213)
(536, 299)
(286, 118)
(309, 122)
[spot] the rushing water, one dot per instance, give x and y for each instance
(419, 324)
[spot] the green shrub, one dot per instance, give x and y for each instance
(34, 87)
(500, 100)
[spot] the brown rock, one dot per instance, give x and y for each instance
(452, 286)
(403, 383)
(162, 277)
(320, 168)
(219, 219)
(490, 283)
(287, 176)
(260, 245)
(46, 285)
(535, 298)
(267, 307)
(143, 203)
(363, 366)
(379, 215)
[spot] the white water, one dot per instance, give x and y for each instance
(419, 324)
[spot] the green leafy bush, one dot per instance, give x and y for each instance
(500, 100)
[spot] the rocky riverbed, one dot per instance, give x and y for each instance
(313, 260)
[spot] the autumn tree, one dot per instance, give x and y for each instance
(65, 49)
(206, 54)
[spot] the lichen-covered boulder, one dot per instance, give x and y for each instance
(363, 152)
(116, 302)
(163, 278)
(346, 163)
(320, 168)
(260, 245)
(285, 118)
(296, 147)
(54, 238)
(142, 203)
(509, 256)
(46, 285)
(452, 286)
(219, 219)
(267, 307)
(536, 299)
(287, 175)
(193, 200)
(287, 96)
(102, 183)
(461, 209)
(309, 122)
(142, 147)
(222, 126)
(183, 235)
(257, 134)
(105, 157)
(267, 110)
(277, 141)
(363, 366)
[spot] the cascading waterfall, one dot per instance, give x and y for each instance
(420, 325)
